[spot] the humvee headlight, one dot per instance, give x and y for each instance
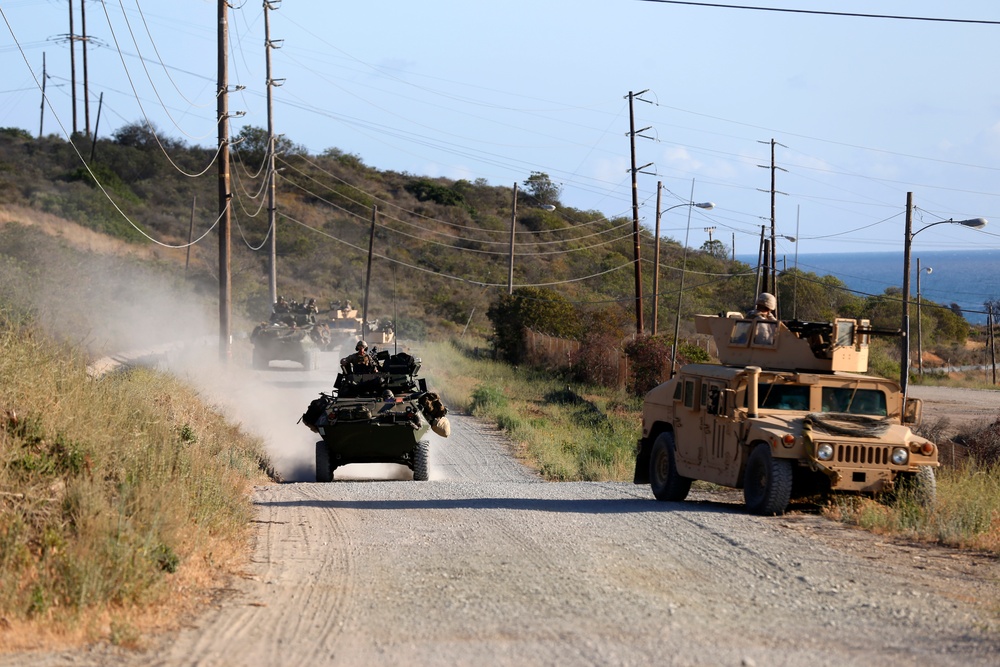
(900, 456)
(824, 452)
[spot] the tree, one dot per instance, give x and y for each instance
(530, 307)
(541, 187)
(715, 248)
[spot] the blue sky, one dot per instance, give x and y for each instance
(864, 109)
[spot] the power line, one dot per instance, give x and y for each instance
(825, 13)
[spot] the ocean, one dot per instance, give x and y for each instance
(965, 277)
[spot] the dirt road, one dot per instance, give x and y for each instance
(486, 564)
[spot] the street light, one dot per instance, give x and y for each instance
(513, 222)
(920, 338)
(904, 361)
(680, 290)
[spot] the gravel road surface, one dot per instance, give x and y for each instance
(485, 564)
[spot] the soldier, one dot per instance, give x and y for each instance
(360, 361)
(764, 307)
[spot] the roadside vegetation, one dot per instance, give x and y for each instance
(123, 499)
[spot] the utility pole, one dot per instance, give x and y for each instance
(86, 89)
(656, 260)
(368, 276)
(72, 64)
(225, 194)
(709, 230)
(635, 207)
(773, 264)
(41, 116)
(513, 219)
(271, 206)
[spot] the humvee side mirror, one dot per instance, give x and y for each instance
(913, 411)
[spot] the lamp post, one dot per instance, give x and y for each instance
(920, 338)
(795, 279)
(680, 290)
(904, 357)
(513, 222)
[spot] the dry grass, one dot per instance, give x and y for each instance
(565, 432)
(122, 500)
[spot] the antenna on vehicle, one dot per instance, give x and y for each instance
(395, 326)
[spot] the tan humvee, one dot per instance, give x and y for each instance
(789, 413)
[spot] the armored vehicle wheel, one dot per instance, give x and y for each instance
(324, 471)
(260, 360)
(663, 478)
(420, 466)
(767, 482)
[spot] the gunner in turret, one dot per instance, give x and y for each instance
(764, 307)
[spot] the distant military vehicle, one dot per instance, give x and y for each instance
(788, 413)
(344, 323)
(376, 413)
(291, 334)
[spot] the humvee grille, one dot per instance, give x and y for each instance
(864, 454)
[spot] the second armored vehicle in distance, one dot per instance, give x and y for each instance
(789, 412)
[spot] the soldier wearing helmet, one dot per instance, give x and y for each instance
(359, 362)
(764, 307)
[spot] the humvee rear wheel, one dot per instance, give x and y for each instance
(324, 472)
(664, 480)
(767, 482)
(420, 463)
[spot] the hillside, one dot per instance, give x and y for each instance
(441, 247)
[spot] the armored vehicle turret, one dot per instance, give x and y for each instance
(788, 412)
(378, 412)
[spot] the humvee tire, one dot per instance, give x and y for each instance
(420, 456)
(663, 478)
(324, 472)
(921, 486)
(767, 482)
(260, 361)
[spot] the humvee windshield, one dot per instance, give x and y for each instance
(834, 399)
(854, 401)
(784, 396)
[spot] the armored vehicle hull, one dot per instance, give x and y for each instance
(799, 427)
(377, 416)
(279, 342)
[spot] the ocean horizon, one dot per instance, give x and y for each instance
(967, 278)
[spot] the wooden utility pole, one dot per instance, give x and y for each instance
(368, 276)
(225, 195)
(656, 260)
(773, 265)
(513, 220)
(635, 210)
(86, 89)
(271, 206)
(72, 63)
(41, 117)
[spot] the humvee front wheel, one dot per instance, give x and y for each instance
(767, 482)
(664, 480)
(920, 486)
(420, 461)
(324, 471)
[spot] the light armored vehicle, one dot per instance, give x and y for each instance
(289, 335)
(377, 414)
(788, 413)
